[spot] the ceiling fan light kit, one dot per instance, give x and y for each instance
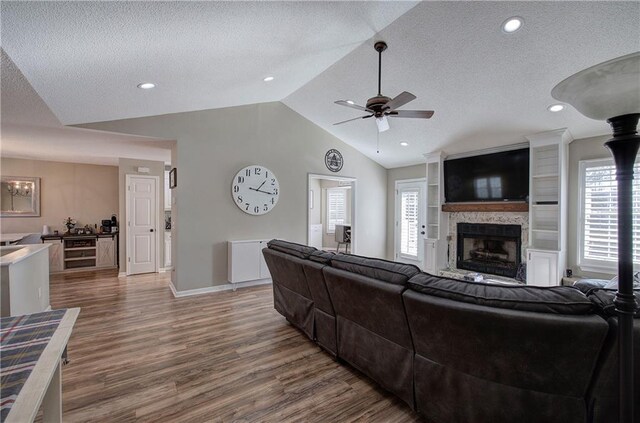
(381, 106)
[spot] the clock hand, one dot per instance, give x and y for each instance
(258, 189)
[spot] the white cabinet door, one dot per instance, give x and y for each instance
(56, 258)
(542, 268)
(430, 256)
(264, 270)
(167, 249)
(106, 252)
(246, 262)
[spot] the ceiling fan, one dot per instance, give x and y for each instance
(382, 106)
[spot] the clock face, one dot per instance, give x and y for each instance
(255, 190)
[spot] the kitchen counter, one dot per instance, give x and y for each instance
(24, 279)
(13, 254)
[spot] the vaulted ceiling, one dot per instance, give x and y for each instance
(84, 59)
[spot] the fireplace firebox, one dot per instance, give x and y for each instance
(489, 248)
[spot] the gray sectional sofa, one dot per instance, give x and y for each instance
(457, 351)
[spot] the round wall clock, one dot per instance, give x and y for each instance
(255, 190)
(333, 160)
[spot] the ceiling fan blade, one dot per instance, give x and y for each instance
(420, 114)
(383, 124)
(349, 120)
(399, 101)
(353, 106)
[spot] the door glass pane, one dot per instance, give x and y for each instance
(409, 223)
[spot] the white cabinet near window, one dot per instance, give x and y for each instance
(542, 268)
(56, 258)
(105, 252)
(431, 256)
(246, 262)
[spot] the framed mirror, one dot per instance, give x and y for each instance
(19, 196)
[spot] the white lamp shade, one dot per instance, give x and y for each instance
(603, 91)
(383, 124)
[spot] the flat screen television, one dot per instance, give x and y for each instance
(502, 176)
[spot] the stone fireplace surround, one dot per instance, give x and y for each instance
(500, 218)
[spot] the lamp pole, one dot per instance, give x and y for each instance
(624, 147)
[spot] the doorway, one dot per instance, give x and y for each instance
(142, 224)
(331, 213)
(410, 222)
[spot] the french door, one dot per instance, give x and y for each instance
(410, 221)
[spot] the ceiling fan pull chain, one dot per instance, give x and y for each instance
(378, 144)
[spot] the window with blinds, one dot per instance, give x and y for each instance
(599, 202)
(409, 223)
(336, 208)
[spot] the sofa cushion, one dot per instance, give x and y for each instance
(298, 250)
(603, 300)
(383, 270)
(557, 299)
(321, 256)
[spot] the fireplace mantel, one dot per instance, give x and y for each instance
(486, 207)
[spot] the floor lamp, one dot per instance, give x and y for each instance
(611, 91)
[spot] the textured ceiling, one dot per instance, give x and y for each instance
(86, 58)
(487, 88)
(31, 131)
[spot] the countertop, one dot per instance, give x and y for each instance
(13, 254)
(13, 237)
(67, 236)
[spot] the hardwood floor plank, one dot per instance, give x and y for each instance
(140, 355)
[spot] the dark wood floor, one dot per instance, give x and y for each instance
(139, 354)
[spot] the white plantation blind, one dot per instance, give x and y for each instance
(409, 223)
(336, 208)
(599, 238)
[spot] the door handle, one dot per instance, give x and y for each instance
(422, 233)
(150, 230)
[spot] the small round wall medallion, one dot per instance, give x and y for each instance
(333, 159)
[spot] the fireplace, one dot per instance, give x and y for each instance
(489, 248)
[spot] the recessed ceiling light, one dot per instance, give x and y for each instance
(556, 108)
(351, 102)
(404, 143)
(268, 79)
(513, 24)
(146, 85)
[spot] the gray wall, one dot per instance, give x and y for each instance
(129, 167)
(393, 175)
(581, 149)
(212, 145)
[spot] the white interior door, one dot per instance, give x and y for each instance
(410, 221)
(142, 219)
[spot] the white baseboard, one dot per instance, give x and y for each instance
(165, 269)
(217, 288)
(122, 274)
(48, 308)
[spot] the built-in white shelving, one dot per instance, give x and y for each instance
(437, 221)
(548, 163)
